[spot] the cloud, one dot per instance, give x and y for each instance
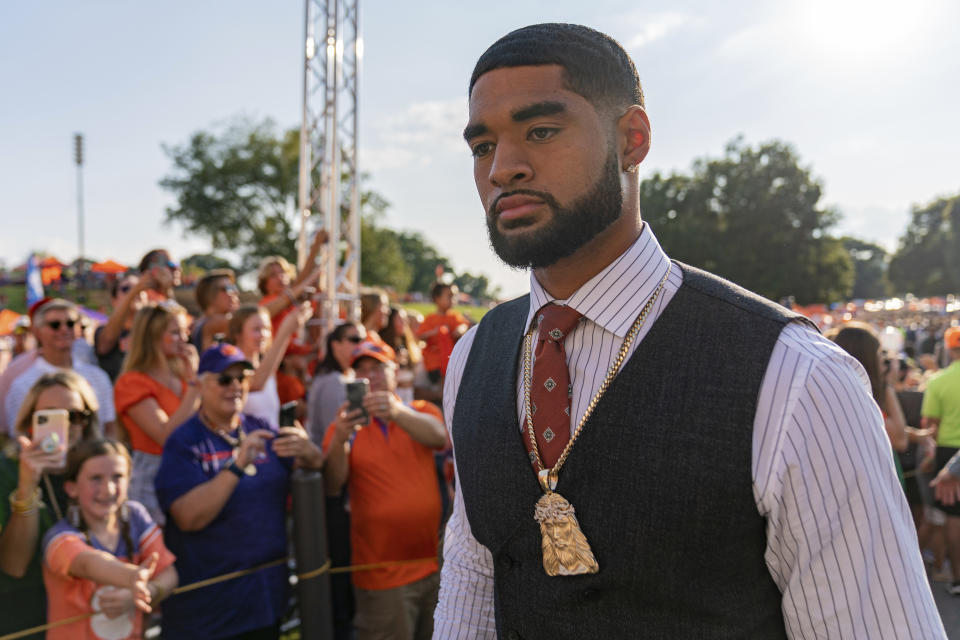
(656, 27)
(422, 133)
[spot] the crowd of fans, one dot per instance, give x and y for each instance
(155, 449)
(178, 436)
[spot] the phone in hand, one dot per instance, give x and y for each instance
(356, 391)
(51, 428)
(288, 413)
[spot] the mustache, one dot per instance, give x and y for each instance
(542, 195)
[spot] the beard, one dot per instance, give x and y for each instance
(568, 229)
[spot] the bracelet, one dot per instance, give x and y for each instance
(24, 507)
(287, 292)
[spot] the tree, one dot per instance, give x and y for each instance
(381, 257)
(752, 216)
(423, 258)
(927, 261)
(238, 187)
(476, 286)
(870, 268)
(206, 262)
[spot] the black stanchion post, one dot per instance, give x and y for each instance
(310, 539)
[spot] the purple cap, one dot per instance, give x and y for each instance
(220, 356)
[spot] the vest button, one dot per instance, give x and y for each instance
(513, 635)
(506, 563)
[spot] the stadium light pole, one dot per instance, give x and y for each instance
(78, 158)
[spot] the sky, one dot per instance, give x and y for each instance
(866, 91)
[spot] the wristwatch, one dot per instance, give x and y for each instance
(234, 468)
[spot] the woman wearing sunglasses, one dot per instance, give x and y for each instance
(156, 392)
(218, 296)
(328, 390)
(112, 340)
(161, 275)
(223, 483)
(32, 497)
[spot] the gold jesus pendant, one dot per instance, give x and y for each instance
(566, 551)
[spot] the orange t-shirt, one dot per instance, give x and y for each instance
(290, 388)
(277, 319)
(394, 502)
(133, 387)
(68, 596)
(439, 346)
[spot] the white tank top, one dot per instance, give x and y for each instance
(265, 404)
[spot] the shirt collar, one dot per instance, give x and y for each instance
(614, 297)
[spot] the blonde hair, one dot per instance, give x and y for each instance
(149, 325)
(70, 380)
(263, 274)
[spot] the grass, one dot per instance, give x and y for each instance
(426, 308)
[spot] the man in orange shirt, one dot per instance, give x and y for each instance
(387, 463)
(441, 330)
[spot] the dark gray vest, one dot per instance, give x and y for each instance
(660, 479)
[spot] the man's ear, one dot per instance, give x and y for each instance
(633, 130)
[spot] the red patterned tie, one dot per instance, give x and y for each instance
(550, 389)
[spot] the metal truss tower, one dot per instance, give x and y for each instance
(329, 172)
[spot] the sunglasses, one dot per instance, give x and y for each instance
(225, 379)
(81, 418)
(353, 339)
(125, 288)
(228, 288)
(56, 324)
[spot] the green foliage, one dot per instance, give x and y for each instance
(927, 261)
(238, 187)
(382, 259)
(870, 268)
(423, 259)
(205, 262)
(752, 216)
(476, 286)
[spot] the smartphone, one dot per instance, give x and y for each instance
(51, 428)
(288, 413)
(356, 391)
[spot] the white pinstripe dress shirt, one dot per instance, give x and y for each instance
(841, 545)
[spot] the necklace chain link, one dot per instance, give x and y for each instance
(611, 374)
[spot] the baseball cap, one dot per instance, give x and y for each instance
(220, 356)
(370, 350)
(951, 338)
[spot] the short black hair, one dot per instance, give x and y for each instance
(595, 65)
(438, 288)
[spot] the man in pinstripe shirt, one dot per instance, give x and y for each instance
(557, 129)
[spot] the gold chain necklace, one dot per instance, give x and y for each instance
(559, 528)
(235, 442)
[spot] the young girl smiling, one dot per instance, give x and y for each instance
(107, 555)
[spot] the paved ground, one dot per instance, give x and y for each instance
(949, 607)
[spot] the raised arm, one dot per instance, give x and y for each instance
(106, 339)
(270, 361)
